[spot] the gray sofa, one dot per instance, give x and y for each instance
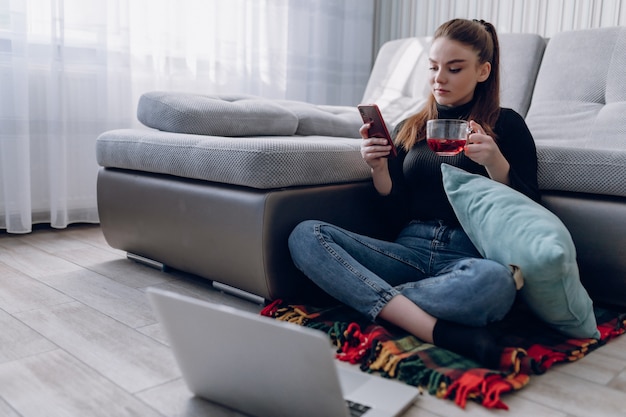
(214, 184)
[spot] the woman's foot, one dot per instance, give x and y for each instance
(476, 343)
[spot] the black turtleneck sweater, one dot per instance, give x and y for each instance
(416, 174)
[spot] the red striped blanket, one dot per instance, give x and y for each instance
(393, 353)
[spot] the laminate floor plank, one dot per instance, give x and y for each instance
(600, 369)
(19, 292)
(203, 291)
(115, 267)
(55, 384)
(518, 407)
(575, 396)
(6, 410)
(175, 400)
(92, 234)
(18, 340)
(53, 242)
(615, 348)
(619, 382)
(156, 332)
(121, 302)
(130, 359)
(32, 261)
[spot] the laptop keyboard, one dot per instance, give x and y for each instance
(356, 409)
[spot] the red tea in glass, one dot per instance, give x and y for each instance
(446, 147)
(446, 137)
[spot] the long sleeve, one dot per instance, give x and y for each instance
(518, 147)
(417, 190)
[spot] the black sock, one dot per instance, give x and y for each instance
(476, 343)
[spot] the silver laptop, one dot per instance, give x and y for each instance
(268, 368)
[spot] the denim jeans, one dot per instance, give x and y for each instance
(434, 265)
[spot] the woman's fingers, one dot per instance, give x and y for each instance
(364, 130)
(476, 128)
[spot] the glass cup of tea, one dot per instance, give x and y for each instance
(446, 137)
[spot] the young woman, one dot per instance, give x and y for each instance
(431, 281)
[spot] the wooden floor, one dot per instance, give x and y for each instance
(78, 338)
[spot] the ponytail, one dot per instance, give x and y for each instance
(487, 105)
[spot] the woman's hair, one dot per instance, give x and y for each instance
(481, 36)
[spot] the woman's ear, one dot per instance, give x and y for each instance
(484, 71)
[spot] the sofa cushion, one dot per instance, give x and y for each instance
(244, 115)
(581, 169)
(257, 162)
(510, 228)
(578, 112)
(219, 115)
(340, 121)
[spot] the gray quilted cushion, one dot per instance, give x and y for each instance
(220, 115)
(341, 121)
(595, 171)
(258, 162)
(578, 112)
(244, 115)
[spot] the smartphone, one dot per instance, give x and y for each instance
(370, 113)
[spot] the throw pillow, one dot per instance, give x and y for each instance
(215, 115)
(508, 227)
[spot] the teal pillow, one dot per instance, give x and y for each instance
(508, 227)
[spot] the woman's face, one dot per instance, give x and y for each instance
(455, 72)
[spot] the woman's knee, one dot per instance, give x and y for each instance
(499, 286)
(492, 290)
(301, 230)
(304, 240)
(497, 275)
(299, 236)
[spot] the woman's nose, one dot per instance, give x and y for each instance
(439, 78)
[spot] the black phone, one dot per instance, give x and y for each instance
(370, 113)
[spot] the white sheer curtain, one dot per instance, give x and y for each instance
(71, 69)
(405, 18)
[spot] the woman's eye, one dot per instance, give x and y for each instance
(432, 69)
(455, 70)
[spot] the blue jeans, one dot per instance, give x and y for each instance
(434, 265)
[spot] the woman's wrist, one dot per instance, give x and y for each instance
(499, 170)
(381, 178)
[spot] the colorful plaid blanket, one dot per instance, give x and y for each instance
(393, 353)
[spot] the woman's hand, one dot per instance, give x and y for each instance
(374, 150)
(482, 149)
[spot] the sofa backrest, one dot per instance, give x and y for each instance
(520, 59)
(580, 93)
(399, 79)
(398, 82)
(578, 112)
